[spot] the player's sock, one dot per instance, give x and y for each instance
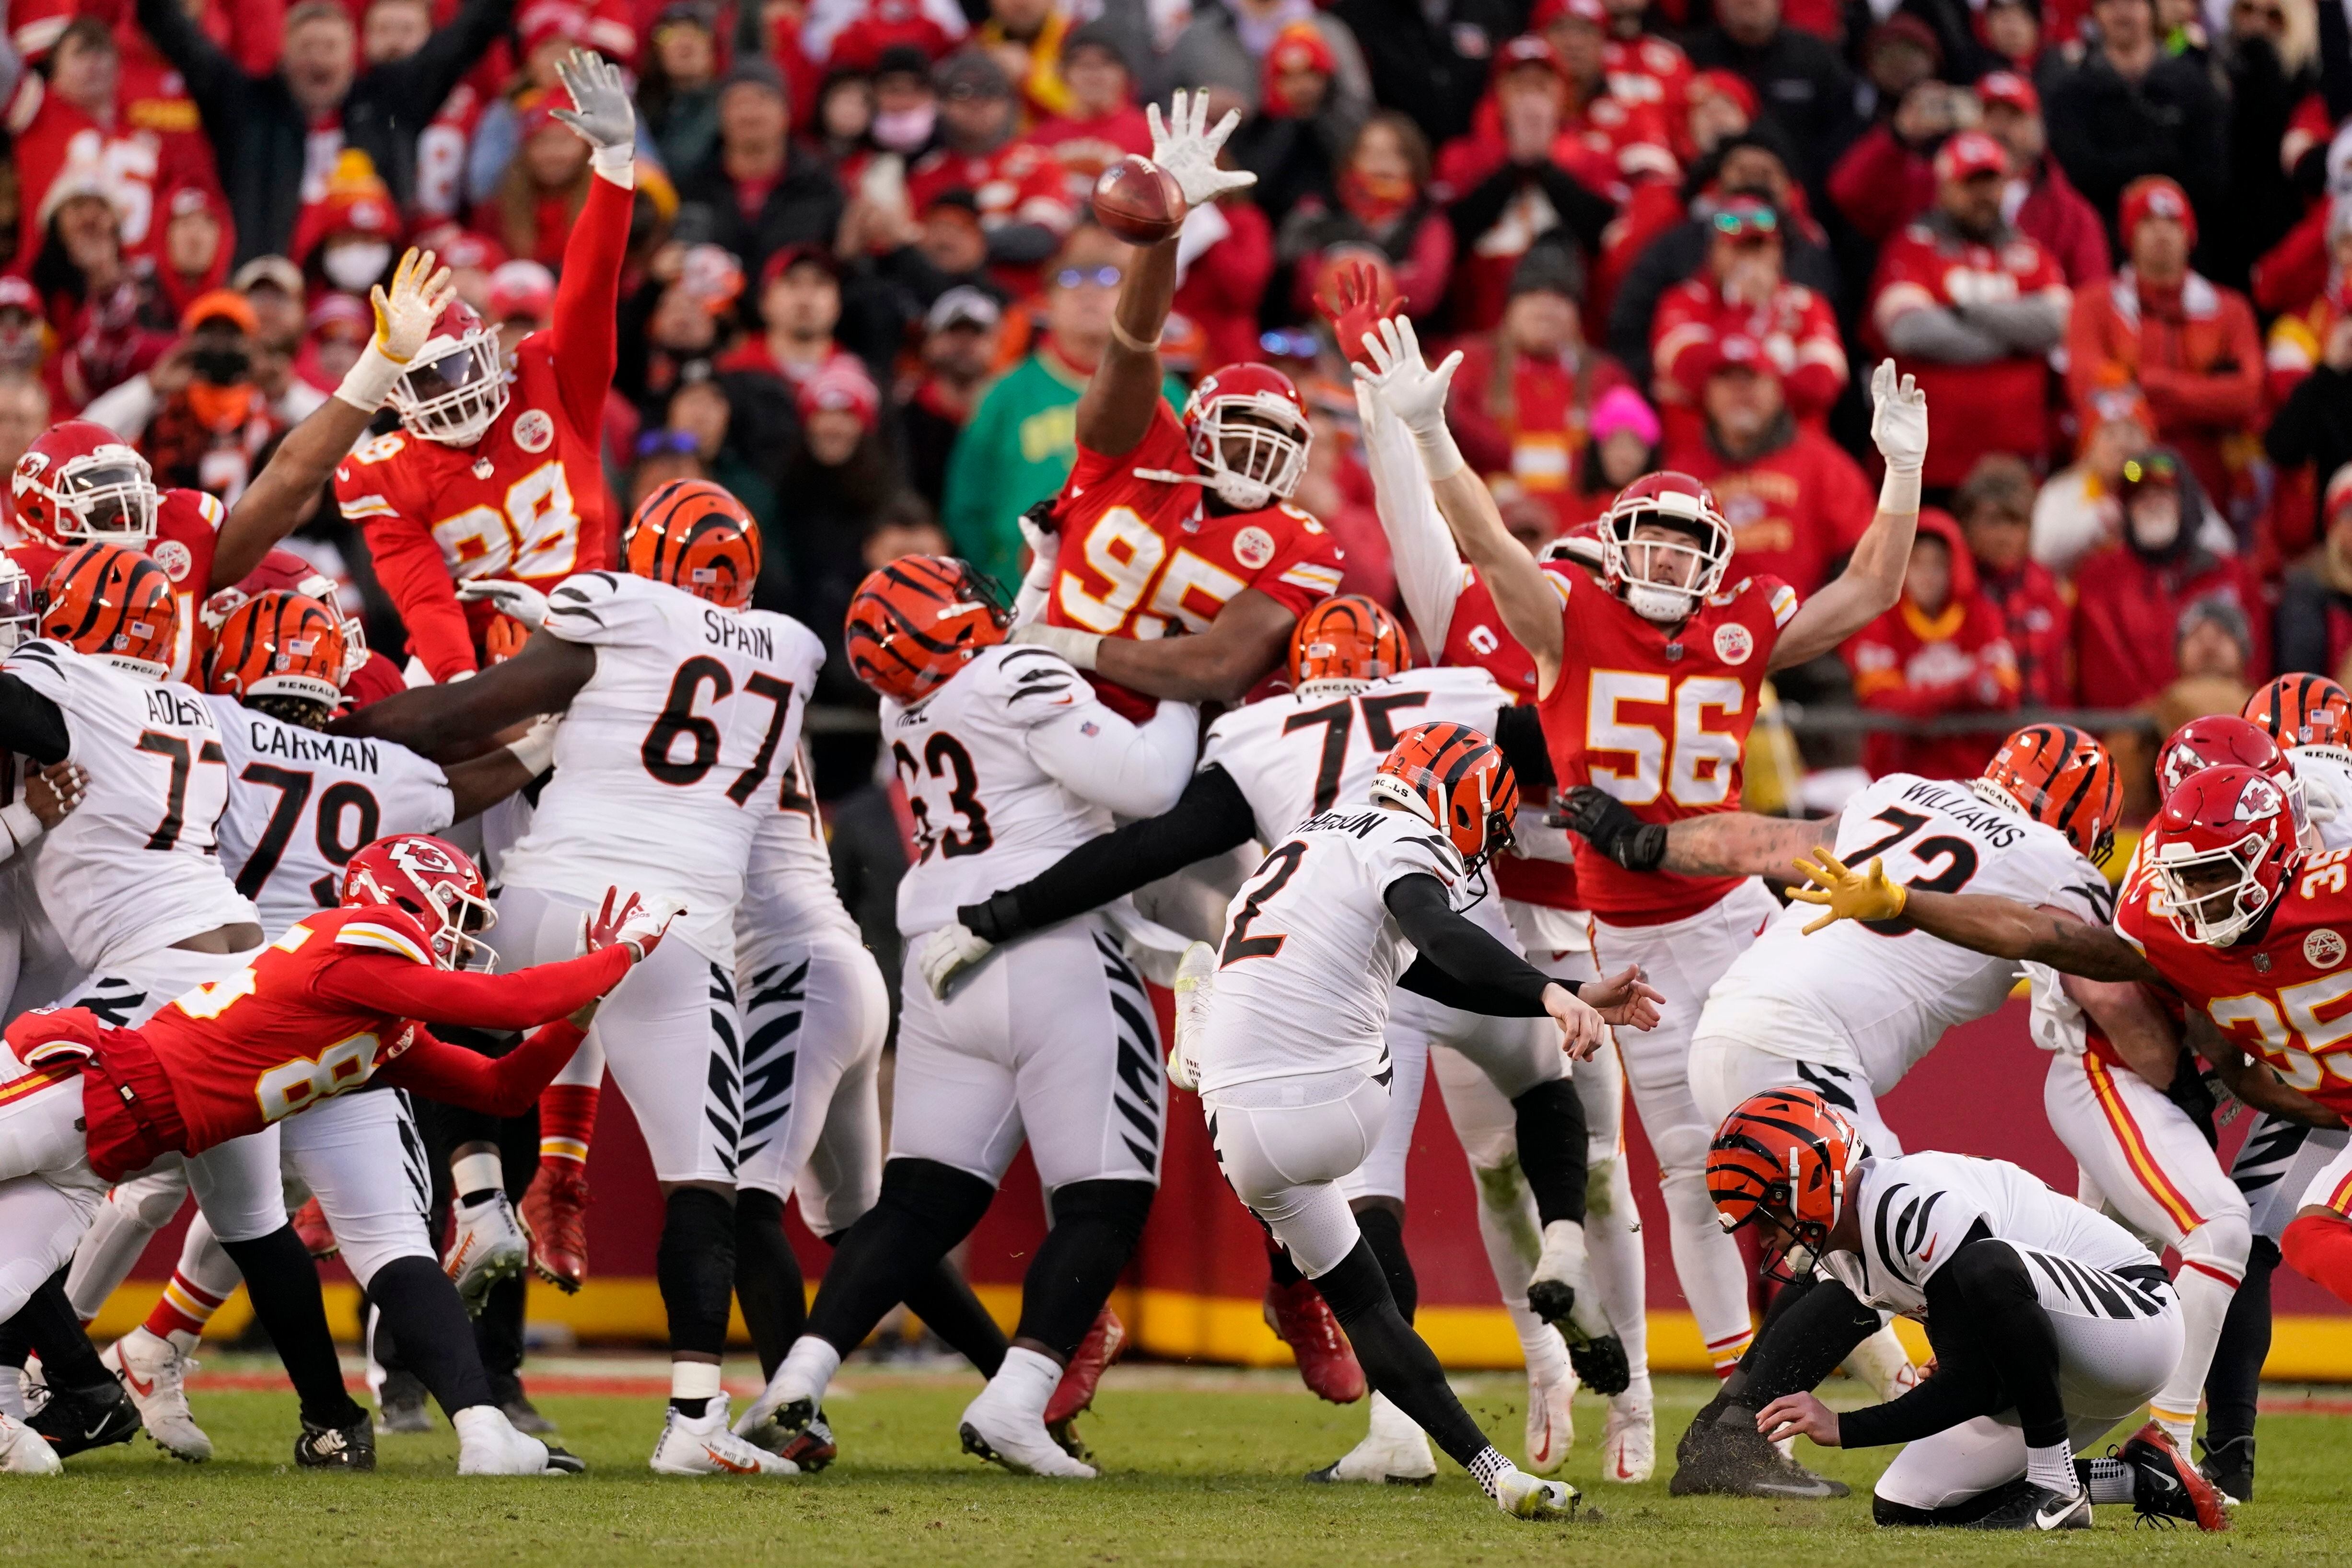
(51, 1326)
(2051, 1465)
(1552, 1148)
(1025, 1383)
(475, 1178)
(1279, 1265)
(2320, 1248)
(282, 1282)
(1096, 1225)
(181, 1313)
(1397, 1360)
(1714, 1276)
(810, 1362)
(768, 1284)
(693, 1385)
(944, 1300)
(420, 1304)
(924, 1210)
(567, 1120)
(2107, 1481)
(1383, 1228)
(2205, 1297)
(1508, 1225)
(695, 1266)
(2233, 1381)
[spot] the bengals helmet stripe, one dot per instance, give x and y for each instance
(915, 622)
(1454, 778)
(1348, 638)
(1787, 1153)
(112, 604)
(2303, 710)
(2060, 777)
(278, 644)
(695, 535)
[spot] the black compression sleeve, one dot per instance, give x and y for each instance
(1210, 817)
(1974, 1304)
(30, 723)
(1485, 976)
(1518, 731)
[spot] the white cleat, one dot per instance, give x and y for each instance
(702, 1446)
(1628, 1444)
(784, 1410)
(154, 1372)
(1552, 1423)
(488, 1445)
(24, 1452)
(1196, 974)
(1021, 1444)
(1395, 1452)
(1523, 1496)
(486, 1246)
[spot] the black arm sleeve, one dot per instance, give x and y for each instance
(30, 723)
(1459, 964)
(1518, 731)
(1210, 817)
(1967, 1380)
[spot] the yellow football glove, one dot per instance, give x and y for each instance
(404, 318)
(1847, 894)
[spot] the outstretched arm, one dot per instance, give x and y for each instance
(1250, 637)
(1724, 843)
(1873, 580)
(588, 296)
(542, 678)
(523, 998)
(501, 1086)
(1133, 770)
(2253, 1081)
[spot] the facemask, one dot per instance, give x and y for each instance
(905, 130)
(356, 265)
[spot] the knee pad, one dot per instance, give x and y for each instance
(2221, 1245)
(938, 1197)
(1687, 1201)
(1123, 1205)
(1681, 1152)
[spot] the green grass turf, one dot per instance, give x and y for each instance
(1202, 1468)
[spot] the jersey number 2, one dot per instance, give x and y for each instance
(1278, 869)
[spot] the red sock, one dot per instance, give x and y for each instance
(183, 1308)
(2320, 1248)
(567, 1116)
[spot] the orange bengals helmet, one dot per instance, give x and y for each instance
(918, 621)
(115, 604)
(279, 644)
(2303, 710)
(695, 535)
(1348, 638)
(2062, 778)
(1787, 1153)
(1456, 780)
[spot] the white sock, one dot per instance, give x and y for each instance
(12, 1393)
(1025, 1383)
(1613, 1243)
(693, 1380)
(2204, 1303)
(477, 1173)
(1490, 1468)
(809, 1365)
(2052, 1467)
(1545, 1351)
(1714, 1276)
(1637, 1394)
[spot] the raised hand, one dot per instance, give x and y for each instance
(636, 924)
(1399, 377)
(1846, 894)
(404, 317)
(1186, 147)
(1355, 307)
(518, 600)
(1898, 419)
(602, 115)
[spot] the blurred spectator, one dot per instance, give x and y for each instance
(347, 239)
(2313, 626)
(670, 328)
(1100, 122)
(1994, 506)
(838, 478)
(1383, 204)
(213, 422)
(1024, 38)
(664, 454)
(702, 413)
(2299, 340)
(1024, 207)
(24, 333)
(906, 105)
(470, 257)
(1428, 59)
(1943, 649)
(1627, 136)
(540, 196)
(1522, 398)
(678, 94)
(1899, 55)
(1795, 501)
(24, 414)
(2212, 650)
(2011, 31)
(1621, 445)
(2272, 59)
(2040, 201)
(1742, 290)
(845, 125)
(799, 306)
(1226, 46)
(105, 323)
(548, 31)
(1335, 489)
(1224, 261)
(1804, 87)
(74, 116)
(522, 300)
(1304, 125)
(193, 259)
(950, 239)
(960, 336)
(1887, 177)
(2131, 594)
(1643, 67)
(1715, 104)
(2312, 426)
(761, 192)
(339, 329)
(273, 286)
(262, 125)
(2129, 109)
(904, 527)
(2189, 345)
(1972, 308)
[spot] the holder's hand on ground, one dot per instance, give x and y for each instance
(1799, 1416)
(1625, 998)
(404, 316)
(1414, 391)
(1186, 146)
(1355, 309)
(1846, 894)
(518, 600)
(602, 115)
(1898, 418)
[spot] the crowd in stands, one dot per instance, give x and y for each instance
(2110, 238)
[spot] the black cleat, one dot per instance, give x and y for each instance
(564, 1460)
(2230, 1465)
(2038, 1508)
(2165, 1486)
(1724, 1454)
(76, 1420)
(812, 1448)
(1601, 1364)
(350, 1448)
(524, 1417)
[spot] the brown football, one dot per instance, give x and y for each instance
(1139, 201)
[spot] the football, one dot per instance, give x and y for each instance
(1139, 201)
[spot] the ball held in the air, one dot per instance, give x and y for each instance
(1139, 201)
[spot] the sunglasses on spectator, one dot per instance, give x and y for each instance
(1292, 343)
(668, 443)
(1753, 223)
(1101, 276)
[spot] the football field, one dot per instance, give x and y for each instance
(1201, 1467)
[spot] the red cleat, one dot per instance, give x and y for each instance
(1302, 1321)
(2165, 1486)
(554, 1215)
(310, 1225)
(1095, 1353)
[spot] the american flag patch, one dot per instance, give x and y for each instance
(1090, 728)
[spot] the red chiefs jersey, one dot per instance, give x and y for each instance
(1795, 327)
(1145, 558)
(1084, 148)
(1020, 183)
(528, 500)
(441, 153)
(1475, 636)
(1659, 718)
(54, 137)
(1992, 407)
(187, 531)
(1648, 69)
(2285, 998)
(1791, 511)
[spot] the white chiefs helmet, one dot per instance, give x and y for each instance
(1643, 574)
(457, 384)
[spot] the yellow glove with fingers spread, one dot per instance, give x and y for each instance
(403, 321)
(1846, 894)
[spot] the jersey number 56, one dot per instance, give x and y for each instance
(1672, 753)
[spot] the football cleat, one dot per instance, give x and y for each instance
(1523, 1496)
(778, 1416)
(154, 1372)
(812, 1448)
(1076, 1392)
(2165, 1486)
(1196, 974)
(524, 1417)
(1020, 1443)
(486, 1246)
(350, 1448)
(702, 1446)
(1561, 1293)
(488, 1445)
(1395, 1452)
(2230, 1465)
(1723, 1453)
(309, 1223)
(24, 1452)
(1628, 1444)
(400, 1404)
(554, 1218)
(2037, 1507)
(76, 1420)
(1302, 1320)
(1552, 1423)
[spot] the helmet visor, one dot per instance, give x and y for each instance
(456, 394)
(460, 367)
(17, 612)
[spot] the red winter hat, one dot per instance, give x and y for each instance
(551, 21)
(841, 384)
(1727, 84)
(465, 249)
(1968, 154)
(1301, 47)
(1549, 11)
(1529, 49)
(520, 288)
(2009, 87)
(1735, 351)
(2155, 196)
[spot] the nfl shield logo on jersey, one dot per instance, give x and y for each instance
(2323, 948)
(534, 430)
(1733, 642)
(1254, 547)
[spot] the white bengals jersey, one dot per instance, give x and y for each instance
(136, 866)
(787, 889)
(1311, 953)
(1876, 1001)
(672, 755)
(2325, 774)
(1917, 1209)
(301, 803)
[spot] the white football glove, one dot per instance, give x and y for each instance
(1196, 978)
(1037, 584)
(1185, 146)
(517, 600)
(404, 317)
(1078, 647)
(1898, 419)
(947, 953)
(1404, 381)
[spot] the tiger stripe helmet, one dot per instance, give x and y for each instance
(279, 644)
(915, 622)
(1456, 779)
(115, 604)
(2304, 710)
(1347, 638)
(1787, 1153)
(2062, 778)
(695, 535)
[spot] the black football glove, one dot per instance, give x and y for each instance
(1612, 828)
(2194, 1095)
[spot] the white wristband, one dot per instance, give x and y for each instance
(369, 380)
(616, 163)
(21, 824)
(1078, 647)
(536, 749)
(1899, 492)
(1439, 455)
